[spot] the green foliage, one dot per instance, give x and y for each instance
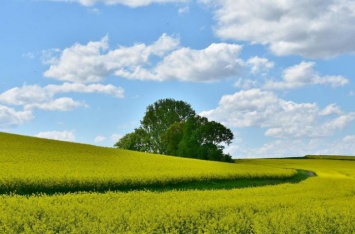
(158, 118)
(202, 138)
(137, 141)
(172, 137)
(172, 127)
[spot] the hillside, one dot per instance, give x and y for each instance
(31, 165)
(323, 203)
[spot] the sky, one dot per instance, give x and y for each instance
(280, 74)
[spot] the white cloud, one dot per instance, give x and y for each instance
(309, 28)
(29, 55)
(216, 62)
(58, 135)
(82, 88)
(130, 3)
(349, 139)
(340, 122)
(93, 62)
(10, 117)
(280, 118)
(60, 104)
(304, 74)
(80, 63)
(50, 56)
(34, 96)
(183, 10)
(99, 139)
(243, 83)
(259, 65)
(330, 110)
(25, 95)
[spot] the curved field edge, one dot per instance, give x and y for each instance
(103, 187)
(32, 165)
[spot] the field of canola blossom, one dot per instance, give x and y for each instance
(30, 165)
(321, 204)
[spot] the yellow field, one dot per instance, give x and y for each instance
(30, 164)
(321, 204)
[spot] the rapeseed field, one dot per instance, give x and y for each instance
(29, 165)
(324, 203)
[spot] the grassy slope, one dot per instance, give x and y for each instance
(30, 165)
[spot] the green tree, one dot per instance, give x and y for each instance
(172, 137)
(204, 139)
(172, 127)
(137, 141)
(160, 116)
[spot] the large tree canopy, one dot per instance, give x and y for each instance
(160, 116)
(172, 127)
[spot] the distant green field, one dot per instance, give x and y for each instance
(324, 203)
(330, 157)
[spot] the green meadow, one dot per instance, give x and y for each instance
(49, 186)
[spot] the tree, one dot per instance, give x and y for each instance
(203, 139)
(172, 137)
(136, 141)
(172, 127)
(160, 116)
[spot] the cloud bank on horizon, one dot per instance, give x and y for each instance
(278, 73)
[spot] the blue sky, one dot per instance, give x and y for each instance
(280, 74)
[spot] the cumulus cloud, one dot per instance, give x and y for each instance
(58, 135)
(94, 61)
(130, 3)
(216, 62)
(24, 95)
(35, 96)
(304, 74)
(60, 104)
(259, 65)
(243, 83)
(82, 88)
(279, 117)
(11, 118)
(314, 29)
(331, 109)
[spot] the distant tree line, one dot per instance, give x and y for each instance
(172, 127)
